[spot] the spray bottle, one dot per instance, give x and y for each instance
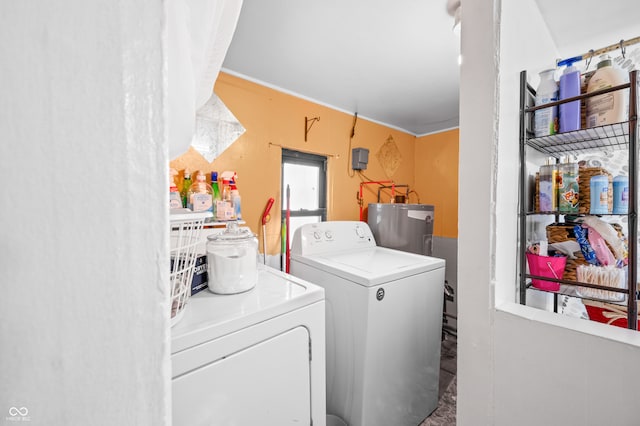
(235, 200)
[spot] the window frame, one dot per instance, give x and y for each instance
(306, 159)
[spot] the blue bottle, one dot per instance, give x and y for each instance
(621, 195)
(599, 188)
(569, 87)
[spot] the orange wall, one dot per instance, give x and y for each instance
(436, 178)
(273, 117)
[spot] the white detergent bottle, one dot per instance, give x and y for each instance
(611, 107)
(546, 120)
(175, 200)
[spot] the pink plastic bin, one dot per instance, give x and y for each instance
(545, 266)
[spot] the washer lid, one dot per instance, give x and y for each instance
(208, 316)
(372, 266)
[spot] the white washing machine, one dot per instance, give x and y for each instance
(384, 323)
(254, 358)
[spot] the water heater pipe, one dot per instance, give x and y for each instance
(378, 182)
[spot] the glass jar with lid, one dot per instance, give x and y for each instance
(232, 260)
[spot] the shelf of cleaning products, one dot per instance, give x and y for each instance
(611, 137)
(603, 140)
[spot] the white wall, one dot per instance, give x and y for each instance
(518, 365)
(83, 241)
(476, 213)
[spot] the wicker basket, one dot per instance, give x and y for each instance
(560, 232)
(584, 187)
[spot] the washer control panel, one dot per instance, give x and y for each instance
(324, 237)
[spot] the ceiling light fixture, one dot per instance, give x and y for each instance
(453, 9)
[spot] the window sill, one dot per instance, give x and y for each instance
(613, 333)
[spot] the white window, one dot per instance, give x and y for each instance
(306, 177)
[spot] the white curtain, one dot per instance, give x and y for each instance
(198, 35)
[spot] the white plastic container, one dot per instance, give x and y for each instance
(546, 120)
(232, 259)
(611, 107)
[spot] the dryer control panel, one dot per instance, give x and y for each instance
(327, 237)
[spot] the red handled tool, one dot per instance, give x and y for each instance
(288, 227)
(265, 219)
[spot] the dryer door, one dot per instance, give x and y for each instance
(267, 383)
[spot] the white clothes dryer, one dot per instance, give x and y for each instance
(251, 358)
(384, 323)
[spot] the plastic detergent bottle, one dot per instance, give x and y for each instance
(568, 196)
(224, 211)
(200, 197)
(599, 200)
(175, 201)
(235, 200)
(621, 195)
(546, 120)
(569, 87)
(186, 184)
(216, 192)
(548, 189)
(611, 107)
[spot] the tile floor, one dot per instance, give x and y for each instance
(445, 414)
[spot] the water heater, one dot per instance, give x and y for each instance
(406, 227)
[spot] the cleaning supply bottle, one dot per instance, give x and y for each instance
(568, 196)
(200, 196)
(186, 184)
(175, 201)
(216, 193)
(599, 200)
(621, 194)
(235, 200)
(611, 107)
(548, 190)
(569, 87)
(224, 211)
(546, 120)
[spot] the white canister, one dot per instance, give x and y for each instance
(232, 260)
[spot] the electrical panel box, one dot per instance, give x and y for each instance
(359, 158)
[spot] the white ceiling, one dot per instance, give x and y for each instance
(393, 62)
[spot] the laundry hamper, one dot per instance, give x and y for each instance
(185, 228)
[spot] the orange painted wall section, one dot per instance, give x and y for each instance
(273, 119)
(436, 178)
